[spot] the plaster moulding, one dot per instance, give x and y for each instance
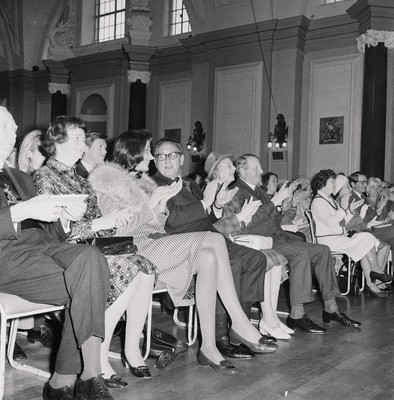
(143, 76)
(63, 88)
(372, 37)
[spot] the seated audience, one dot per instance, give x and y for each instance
(221, 168)
(330, 218)
(94, 155)
(375, 197)
(191, 211)
(387, 214)
(198, 178)
(31, 154)
(132, 275)
(39, 268)
(125, 184)
(269, 182)
(303, 258)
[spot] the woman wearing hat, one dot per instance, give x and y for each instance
(331, 218)
(220, 167)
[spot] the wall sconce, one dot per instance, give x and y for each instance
(197, 140)
(280, 134)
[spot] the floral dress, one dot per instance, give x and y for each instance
(57, 178)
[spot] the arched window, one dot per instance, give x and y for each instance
(94, 113)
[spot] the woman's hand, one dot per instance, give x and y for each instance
(381, 203)
(283, 193)
(345, 201)
(117, 219)
(223, 196)
(210, 193)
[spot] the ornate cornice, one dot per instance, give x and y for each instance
(63, 88)
(139, 22)
(372, 37)
(143, 76)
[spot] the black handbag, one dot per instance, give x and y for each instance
(115, 245)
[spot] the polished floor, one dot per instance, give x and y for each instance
(344, 363)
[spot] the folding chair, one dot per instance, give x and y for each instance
(11, 309)
(351, 265)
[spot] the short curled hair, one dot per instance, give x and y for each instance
(91, 136)
(319, 181)
(242, 162)
(57, 132)
(167, 140)
(129, 148)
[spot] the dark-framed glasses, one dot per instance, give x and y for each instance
(172, 156)
(362, 181)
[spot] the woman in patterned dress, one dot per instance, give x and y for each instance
(132, 276)
(124, 184)
(231, 224)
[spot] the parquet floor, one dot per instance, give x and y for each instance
(342, 364)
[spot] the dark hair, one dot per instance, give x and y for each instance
(57, 132)
(91, 136)
(167, 140)
(129, 148)
(265, 178)
(319, 181)
(353, 178)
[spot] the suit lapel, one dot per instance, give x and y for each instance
(18, 187)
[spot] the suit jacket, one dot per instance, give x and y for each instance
(266, 220)
(25, 187)
(371, 212)
(186, 211)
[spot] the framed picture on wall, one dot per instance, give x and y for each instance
(331, 130)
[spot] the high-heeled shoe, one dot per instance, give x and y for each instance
(285, 328)
(258, 348)
(277, 332)
(381, 277)
(141, 372)
(224, 367)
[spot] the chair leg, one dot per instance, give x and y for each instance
(192, 328)
(148, 331)
(3, 340)
(10, 352)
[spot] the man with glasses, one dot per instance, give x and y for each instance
(190, 211)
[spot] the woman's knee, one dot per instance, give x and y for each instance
(214, 241)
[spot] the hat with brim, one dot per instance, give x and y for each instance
(213, 159)
(340, 182)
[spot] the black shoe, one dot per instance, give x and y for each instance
(381, 277)
(92, 389)
(340, 317)
(63, 393)
(224, 367)
(44, 335)
(229, 351)
(141, 372)
(257, 347)
(18, 354)
(115, 382)
(305, 324)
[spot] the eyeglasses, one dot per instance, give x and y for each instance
(172, 156)
(361, 181)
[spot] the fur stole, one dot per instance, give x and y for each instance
(114, 181)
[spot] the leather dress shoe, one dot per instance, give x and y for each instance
(381, 277)
(305, 324)
(230, 351)
(92, 389)
(115, 382)
(43, 336)
(257, 347)
(18, 354)
(340, 317)
(63, 393)
(224, 367)
(141, 372)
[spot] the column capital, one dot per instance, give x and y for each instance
(143, 76)
(372, 37)
(63, 88)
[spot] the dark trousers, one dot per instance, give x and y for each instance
(248, 267)
(304, 258)
(43, 270)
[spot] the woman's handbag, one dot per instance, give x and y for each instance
(115, 245)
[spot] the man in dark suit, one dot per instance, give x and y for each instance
(189, 211)
(96, 150)
(303, 258)
(37, 265)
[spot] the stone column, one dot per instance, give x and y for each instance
(137, 112)
(373, 128)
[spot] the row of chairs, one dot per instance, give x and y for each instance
(13, 308)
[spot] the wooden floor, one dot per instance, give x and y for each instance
(342, 364)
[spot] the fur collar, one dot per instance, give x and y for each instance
(114, 181)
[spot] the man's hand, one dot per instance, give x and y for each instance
(38, 208)
(249, 208)
(73, 211)
(224, 195)
(355, 204)
(373, 222)
(284, 193)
